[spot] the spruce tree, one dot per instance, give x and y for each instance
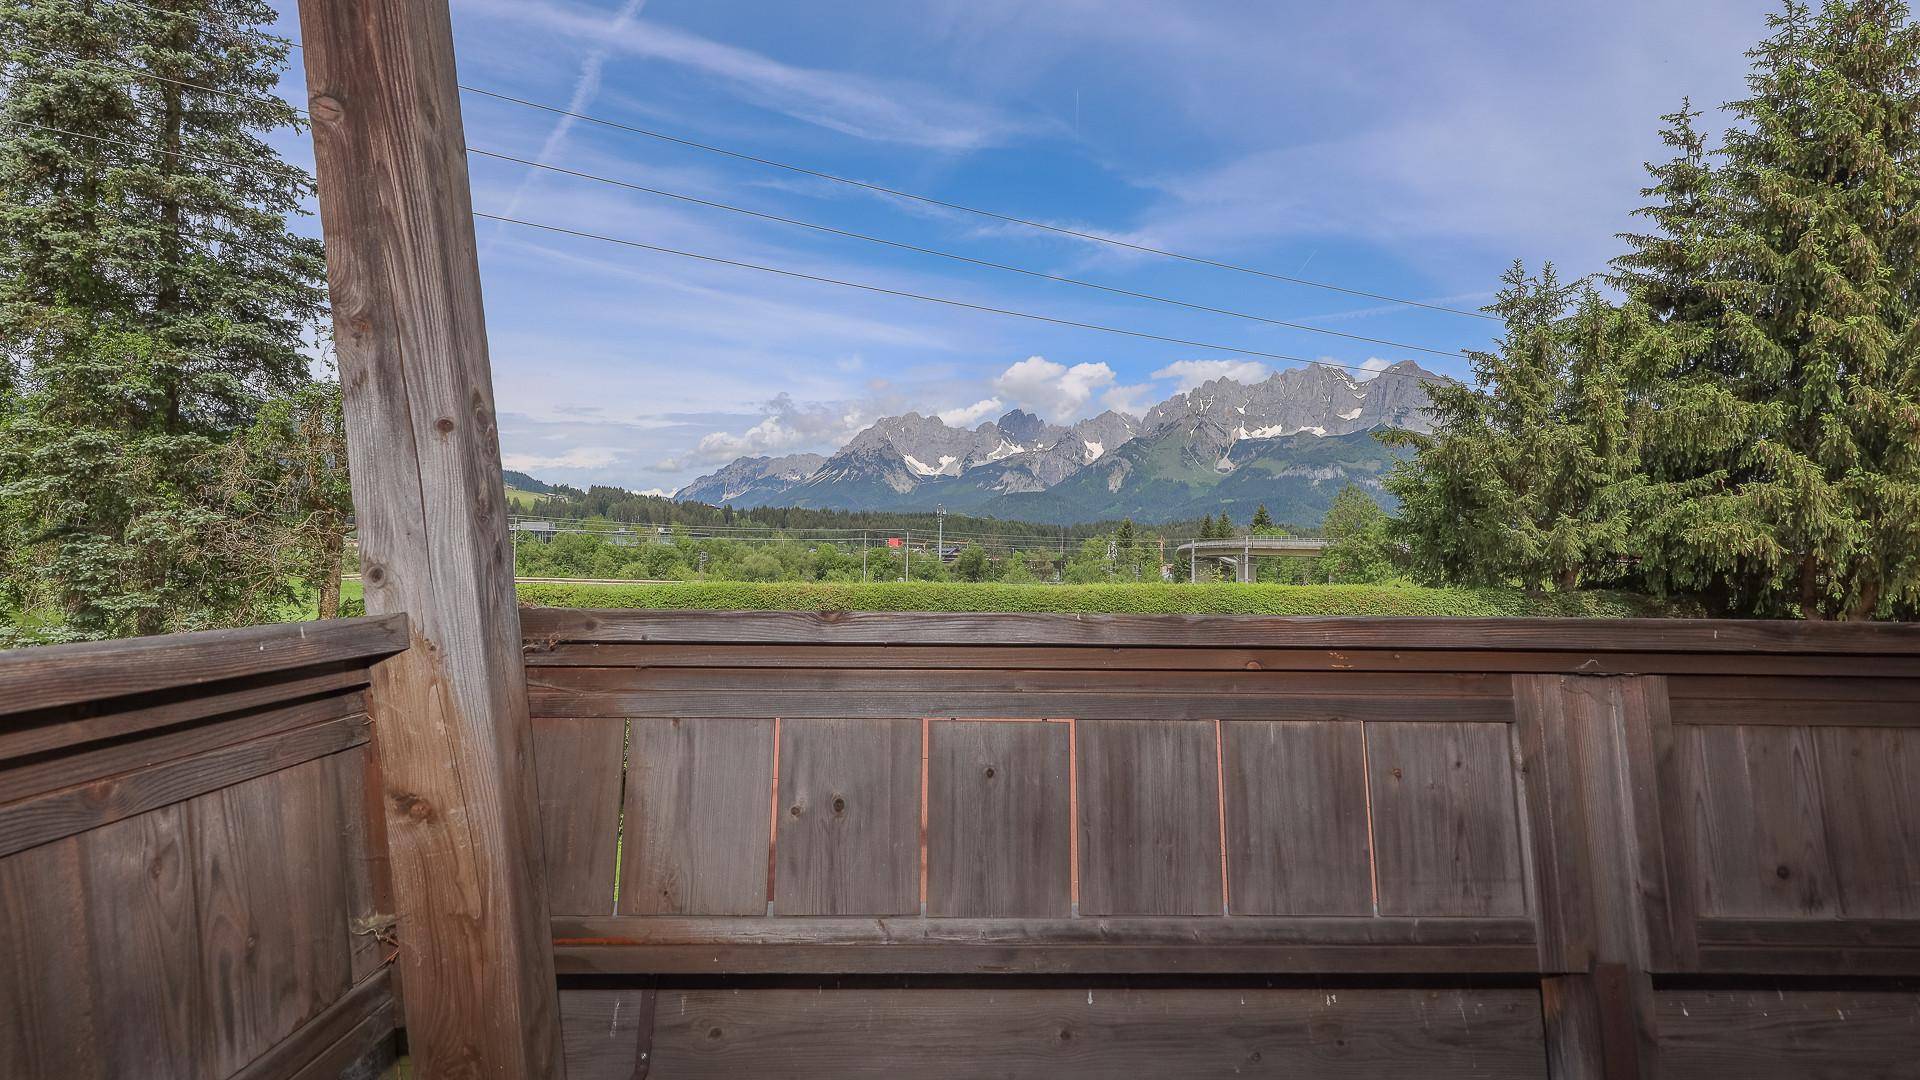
(1262, 521)
(151, 298)
(1780, 362)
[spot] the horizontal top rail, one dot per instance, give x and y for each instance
(58, 675)
(1702, 636)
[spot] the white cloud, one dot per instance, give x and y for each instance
(969, 415)
(1055, 391)
(787, 426)
(1370, 369)
(1191, 373)
(658, 493)
(580, 457)
(1133, 400)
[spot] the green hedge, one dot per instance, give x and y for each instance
(1151, 599)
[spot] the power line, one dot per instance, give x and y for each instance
(903, 246)
(995, 215)
(1231, 349)
(286, 170)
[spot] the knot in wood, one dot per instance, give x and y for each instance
(444, 425)
(326, 109)
(839, 805)
(413, 806)
(989, 772)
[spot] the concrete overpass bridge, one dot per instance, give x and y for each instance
(1240, 552)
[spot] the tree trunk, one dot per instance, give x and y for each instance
(329, 570)
(1810, 608)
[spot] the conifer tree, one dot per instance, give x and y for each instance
(151, 298)
(1262, 521)
(1780, 360)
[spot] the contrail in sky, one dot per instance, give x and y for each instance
(585, 89)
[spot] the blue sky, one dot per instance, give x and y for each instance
(1407, 148)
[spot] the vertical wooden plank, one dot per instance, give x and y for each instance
(1870, 799)
(149, 999)
(363, 852)
(999, 827)
(464, 831)
(272, 927)
(698, 793)
(849, 838)
(1296, 804)
(608, 1034)
(1446, 834)
(48, 1027)
(1759, 833)
(1149, 818)
(578, 771)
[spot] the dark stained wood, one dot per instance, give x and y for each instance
(698, 816)
(1040, 683)
(1770, 693)
(999, 824)
(456, 744)
(149, 1001)
(78, 765)
(578, 765)
(849, 812)
(1870, 801)
(1100, 1033)
(1769, 712)
(1646, 747)
(362, 828)
(543, 653)
(1149, 823)
(273, 929)
(354, 1023)
(1788, 1034)
(1222, 631)
(70, 810)
(48, 1025)
(1829, 961)
(1296, 810)
(121, 717)
(721, 701)
(43, 678)
(1813, 933)
(1446, 838)
(1760, 836)
(1673, 780)
(607, 1033)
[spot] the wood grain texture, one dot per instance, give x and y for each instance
(849, 811)
(48, 1024)
(273, 929)
(57, 675)
(362, 829)
(578, 768)
(1870, 801)
(1296, 811)
(1757, 816)
(1149, 823)
(70, 810)
(342, 1033)
(987, 655)
(698, 817)
(999, 820)
(1102, 1033)
(456, 745)
(607, 1033)
(1223, 631)
(1788, 1034)
(1446, 835)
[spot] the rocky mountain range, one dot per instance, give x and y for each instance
(1290, 441)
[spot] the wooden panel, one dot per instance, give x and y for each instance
(1296, 806)
(1870, 800)
(272, 926)
(1446, 834)
(58, 675)
(986, 655)
(1310, 685)
(999, 820)
(363, 851)
(324, 1047)
(607, 1034)
(148, 998)
(1794, 713)
(849, 839)
(48, 1026)
(578, 769)
(1149, 794)
(1788, 1034)
(1208, 944)
(1771, 693)
(698, 812)
(1213, 631)
(1755, 804)
(1076, 1032)
(70, 810)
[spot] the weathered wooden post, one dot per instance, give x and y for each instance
(451, 712)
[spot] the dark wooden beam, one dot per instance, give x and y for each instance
(454, 738)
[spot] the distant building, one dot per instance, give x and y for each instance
(542, 531)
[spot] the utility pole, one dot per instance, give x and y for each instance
(940, 535)
(907, 548)
(863, 555)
